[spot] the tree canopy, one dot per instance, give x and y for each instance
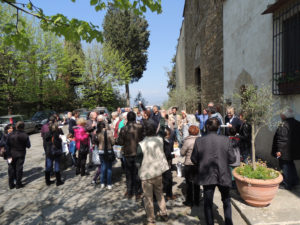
(71, 29)
(56, 74)
(128, 33)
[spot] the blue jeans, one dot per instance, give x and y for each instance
(106, 172)
(49, 164)
(290, 176)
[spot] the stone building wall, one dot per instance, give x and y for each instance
(180, 59)
(203, 33)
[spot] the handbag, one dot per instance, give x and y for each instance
(109, 155)
(96, 157)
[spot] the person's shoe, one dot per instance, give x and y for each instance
(18, 186)
(93, 182)
(127, 195)
(173, 197)
(164, 218)
(109, 187)
(58, 179)
(197, 203)
(12, 186)
(188, 203)
(47, 179)
(102, 186)
(138, 197)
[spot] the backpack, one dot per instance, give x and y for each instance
(109, 154)
(54, 151)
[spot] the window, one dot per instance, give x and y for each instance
(286, 49)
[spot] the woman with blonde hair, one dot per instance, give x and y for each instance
(82, 145)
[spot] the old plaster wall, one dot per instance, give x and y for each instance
(180, 59)
(203, 33)
(248, 57)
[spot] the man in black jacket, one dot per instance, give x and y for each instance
(72, 121)
(285, 147)
(17, 143)
(212, 154)
(129, 137)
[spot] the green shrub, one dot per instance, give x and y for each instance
(261, 172)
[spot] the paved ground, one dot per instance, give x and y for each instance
(284, 209)
(79, 202)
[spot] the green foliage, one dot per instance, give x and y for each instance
(186, 99)
(128, 34)
(261, 172)
(37, 77)
(70, 29)
(259, 107)
(172, 76)
(105, 70)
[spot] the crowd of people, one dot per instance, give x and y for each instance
(211, 145)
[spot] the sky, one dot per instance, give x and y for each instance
(164, 33)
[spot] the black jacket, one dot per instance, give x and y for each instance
(245, 137)
(236, 123)
(17, 142)
(212, 155)
(129, 137)
(287, 140)
(72, 123)
(57, 142)
(3, 143)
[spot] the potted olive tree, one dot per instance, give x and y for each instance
(256, 183)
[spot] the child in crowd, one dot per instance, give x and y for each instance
(72, 148)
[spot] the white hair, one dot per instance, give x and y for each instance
(100, 118)
(114, 114)
(288, 113)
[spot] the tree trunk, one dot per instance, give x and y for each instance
(127, 95)
(253, 147)
(9, 104)
(40, 101)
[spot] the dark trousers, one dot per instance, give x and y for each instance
(167, 183)
(15, 171)
(192, 189)
(133, 182)
(290, 176)
(208, 203)
(81, 163)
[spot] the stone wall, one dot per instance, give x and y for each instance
(203, 33)
(180, 59)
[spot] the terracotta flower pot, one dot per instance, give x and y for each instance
(256, 192)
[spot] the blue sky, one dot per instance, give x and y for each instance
(164, 32)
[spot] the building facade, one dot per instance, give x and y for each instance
(201, 38)
(232, 43)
